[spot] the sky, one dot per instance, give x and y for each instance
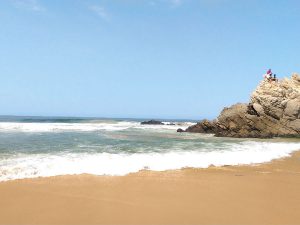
(141, 58)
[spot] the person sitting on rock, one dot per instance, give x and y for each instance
(275, 78)
(268, 75)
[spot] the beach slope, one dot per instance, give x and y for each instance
(261, 194)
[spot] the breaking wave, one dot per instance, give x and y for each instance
(22, 166)
(61, 127)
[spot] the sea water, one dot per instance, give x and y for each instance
(41, 147)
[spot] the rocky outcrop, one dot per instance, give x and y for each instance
(273, 111)
(152, 122)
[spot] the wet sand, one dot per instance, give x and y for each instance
(258, 194)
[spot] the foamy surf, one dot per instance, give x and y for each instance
(97, 126)
(114, 147)
(45, 165)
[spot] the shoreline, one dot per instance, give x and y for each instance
(266, 193)
(210, 167)
(110, 164)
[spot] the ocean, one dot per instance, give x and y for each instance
(42, 147)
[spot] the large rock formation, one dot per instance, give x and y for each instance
(273, 111)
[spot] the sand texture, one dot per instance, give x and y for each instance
(261, 194)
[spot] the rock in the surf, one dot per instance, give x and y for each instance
(152, 122)
(180, 130)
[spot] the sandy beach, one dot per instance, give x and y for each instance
(149, 112)
(258, 194)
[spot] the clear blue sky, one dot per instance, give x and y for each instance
(141, 58)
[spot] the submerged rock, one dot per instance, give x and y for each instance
(152, 122)
(273, 111)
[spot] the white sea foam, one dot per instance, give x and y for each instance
(61, 127)
(44, 165)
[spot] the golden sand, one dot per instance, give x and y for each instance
(260, 194)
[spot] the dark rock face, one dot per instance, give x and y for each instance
(180, 130)
(152, 122)
(273, 111)
(204, 126)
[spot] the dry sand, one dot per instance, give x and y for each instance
(261, 194)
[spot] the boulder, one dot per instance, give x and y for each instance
(292, 109)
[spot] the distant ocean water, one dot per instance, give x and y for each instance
(41, 147)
